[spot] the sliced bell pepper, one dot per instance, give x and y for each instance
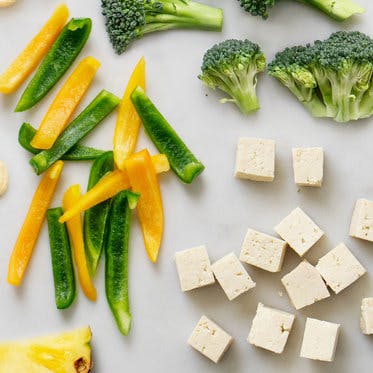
(128, 121)
(108, 187)
(32, 225)
(65, 103)
(183, 162)
(59, 58)
(116, 258)
(143, 179)
(62, 263)
(75, 230)
(95, 218)
(30, 57)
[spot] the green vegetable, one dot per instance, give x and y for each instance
(76, 153)
(128, 20)
(339, 10)
(331, 78)
(185, 165)
(116, 258)
(59, 58)
(62, 264)
(96, 217)
(104, 103)
(232, 66)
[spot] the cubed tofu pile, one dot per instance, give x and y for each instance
(305, 285)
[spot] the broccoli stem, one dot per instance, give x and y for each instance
(247, 101)
(336, 9)
(184, 14)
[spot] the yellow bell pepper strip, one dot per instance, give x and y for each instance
(32, 225)
(128, 121)
(65, 103)
(143, 179)
(75, 230)
(110, 185)
(30, 57)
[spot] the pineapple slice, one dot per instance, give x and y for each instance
(64, 353)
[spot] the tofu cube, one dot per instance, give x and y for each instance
(366, 321)
(263, 251)
(319, 340)
(362, 220)
(232, 276)
(299, 231)
(308, 166)
(210, 340)
(304, 285)
(194, 268)
(270, 329)
(255, 159)
(339, 268)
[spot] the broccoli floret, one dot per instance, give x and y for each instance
(127, 20)
(336, 9)
(232, 66)
(332, 78)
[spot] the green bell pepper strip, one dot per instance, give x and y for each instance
(76, 153)
(96, 217)
(59, 58)
(182, 161)
(62, 264)
(116, 258)
(104, 103)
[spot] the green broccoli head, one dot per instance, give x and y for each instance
(257, 7)
(232, 66)
(128, 20)
(336, 9)
(332, 78)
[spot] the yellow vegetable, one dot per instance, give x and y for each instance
(128, 121)
(75, 230)
(143, 179)
(32, 225)
(65, 103)
(30, 57)
(108, 187)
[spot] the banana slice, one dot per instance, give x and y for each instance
(4, 3)
(3, 177)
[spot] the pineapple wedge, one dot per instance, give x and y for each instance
(64, 353)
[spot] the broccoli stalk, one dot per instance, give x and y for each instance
(232, 66)
(332, 78)
(339, 10)
(127, 20)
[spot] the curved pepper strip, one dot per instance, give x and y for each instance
(75, 230)
(30, 57)
(32, 225)
(143, 179)
(108, 187)
(128, 121)
(65, 103)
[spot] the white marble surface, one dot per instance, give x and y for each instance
(216, 210)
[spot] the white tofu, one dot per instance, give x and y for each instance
(263, 251)
(362, 220)
(366, 321)
(270, 329)
(319, 340)
(232, 276)
(255, 159)
(194, 268)
(299, 231)
(210, 340)
(308, 166)
(339, 268)
(304, 285)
